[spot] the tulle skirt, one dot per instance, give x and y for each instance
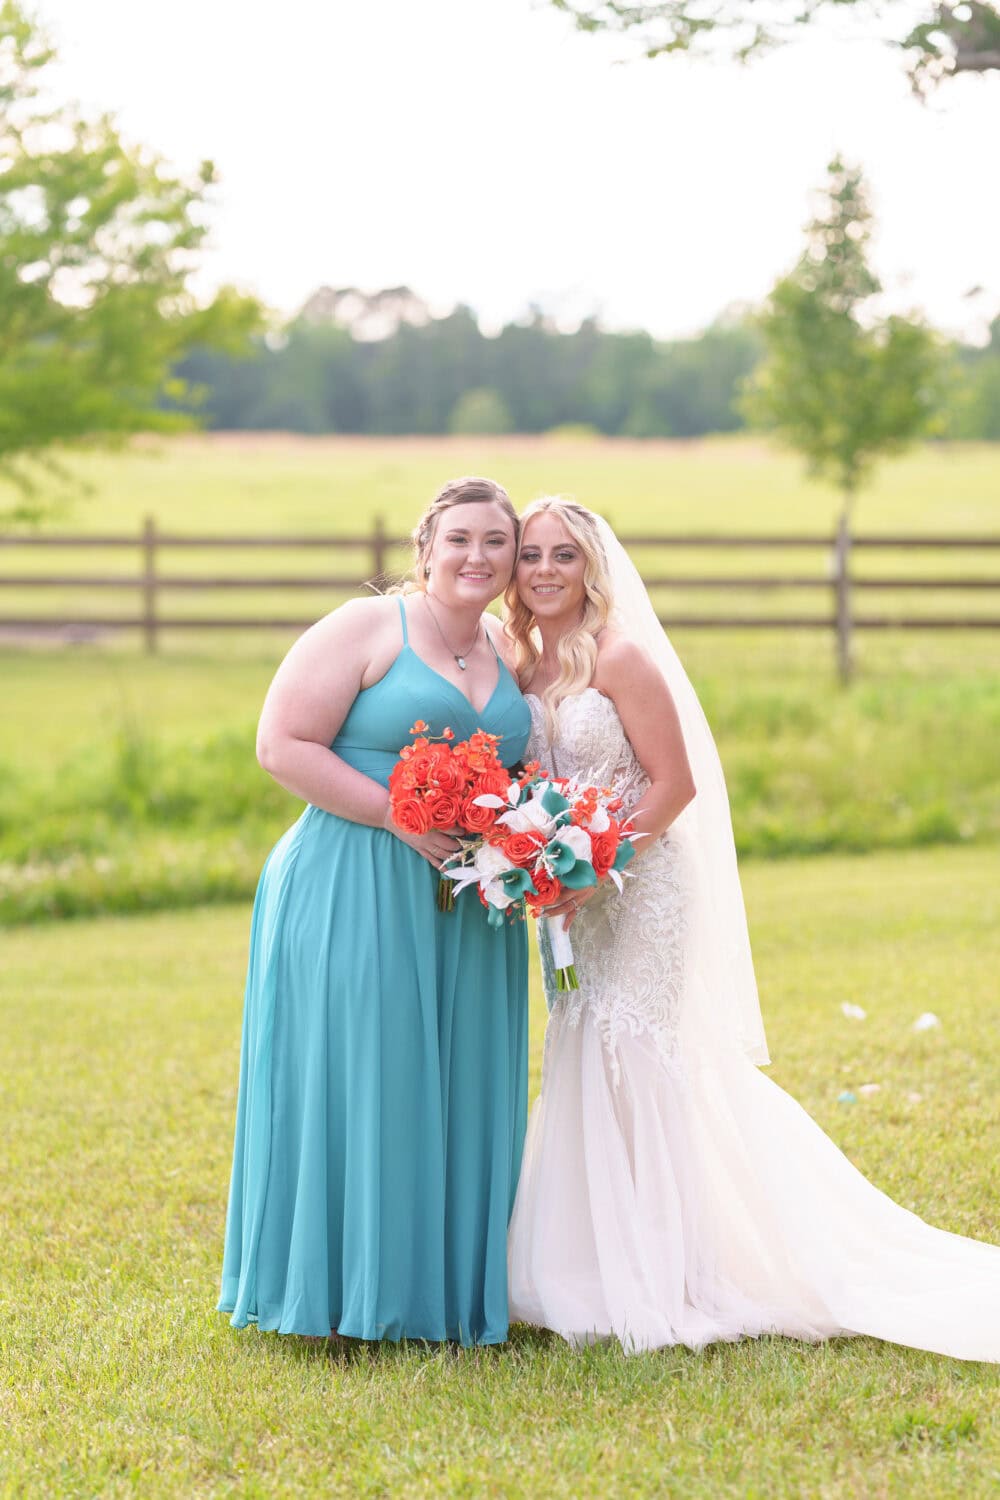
(663, 1201)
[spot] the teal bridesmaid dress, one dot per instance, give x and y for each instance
(383, 1075)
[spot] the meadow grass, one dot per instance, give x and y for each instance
(270, 483)
(259, 482)
(128, 782)
(131, 784)
(119, 1379)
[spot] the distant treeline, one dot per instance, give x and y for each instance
(356, 363)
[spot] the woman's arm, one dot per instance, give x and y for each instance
(307, 703)
(628, 676)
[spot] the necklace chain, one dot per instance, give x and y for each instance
(458, 655)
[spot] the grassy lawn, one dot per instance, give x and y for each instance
(128, 782)
(121, 1041)
(260, 482)
(267, 484)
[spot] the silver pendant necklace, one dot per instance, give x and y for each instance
(460, 656)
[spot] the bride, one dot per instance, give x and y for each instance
(670, 1192)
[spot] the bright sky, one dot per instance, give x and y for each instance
(482, 151)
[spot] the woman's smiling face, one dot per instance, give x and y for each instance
(550, 570)
(472, 554)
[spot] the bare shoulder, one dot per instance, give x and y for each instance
(359, 617)
(366, 610)
(501, 640)
(620, 660)
(349, 641)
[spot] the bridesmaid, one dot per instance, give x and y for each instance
(383, 1077)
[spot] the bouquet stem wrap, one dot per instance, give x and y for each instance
(562, 954)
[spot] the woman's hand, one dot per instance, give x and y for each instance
(435, 845)
(570, 903)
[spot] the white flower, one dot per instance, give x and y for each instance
(577, 839)
(530, 817)
(600, 822)
(853, 1012)
(497, 894)
(926, 1022)
(490, 863)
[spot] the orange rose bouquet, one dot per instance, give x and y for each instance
(437, 783)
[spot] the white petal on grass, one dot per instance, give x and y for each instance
(852, 1011)
(867, 1089)
(926, 1022)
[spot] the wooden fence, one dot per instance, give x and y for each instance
(837, 581)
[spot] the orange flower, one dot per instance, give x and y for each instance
(477, 819)
(419, 727)
(443, 808)
(604, 847)
(420, 765)
(410, 814)
(548, 890)
(521, 848)
(449, 775)
(491, 783)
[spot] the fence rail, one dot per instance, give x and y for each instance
(838, 580)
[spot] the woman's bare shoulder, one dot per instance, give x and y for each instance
(501, 640)
(616, 653)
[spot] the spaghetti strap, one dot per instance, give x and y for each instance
(496, 653)
(402, 616)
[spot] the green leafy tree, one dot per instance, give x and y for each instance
(837, 383)
(938, 40)
(97, 244)
(480, 411)
(975, 406)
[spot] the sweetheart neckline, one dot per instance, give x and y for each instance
(570, 698)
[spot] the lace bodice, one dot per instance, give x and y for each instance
(629, 949)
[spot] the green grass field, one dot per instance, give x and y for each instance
(118, 1379)
(128, 782)
(266, 484)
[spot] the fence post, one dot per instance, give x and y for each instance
(379, 541)
(149, 584)
(842, 596)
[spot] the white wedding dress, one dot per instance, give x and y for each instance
(671, 1194)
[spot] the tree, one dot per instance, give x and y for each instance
(479, 412)
(962, 36)
(838, 384)
(975, 410)
(97, 244)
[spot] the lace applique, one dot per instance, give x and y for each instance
(629, 949)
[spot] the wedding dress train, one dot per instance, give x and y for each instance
(670, 1192)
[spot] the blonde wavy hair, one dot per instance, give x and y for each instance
(577, 649)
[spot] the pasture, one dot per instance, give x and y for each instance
(128, 786)
(274, 484)
(128, 782)
(119, 1379)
